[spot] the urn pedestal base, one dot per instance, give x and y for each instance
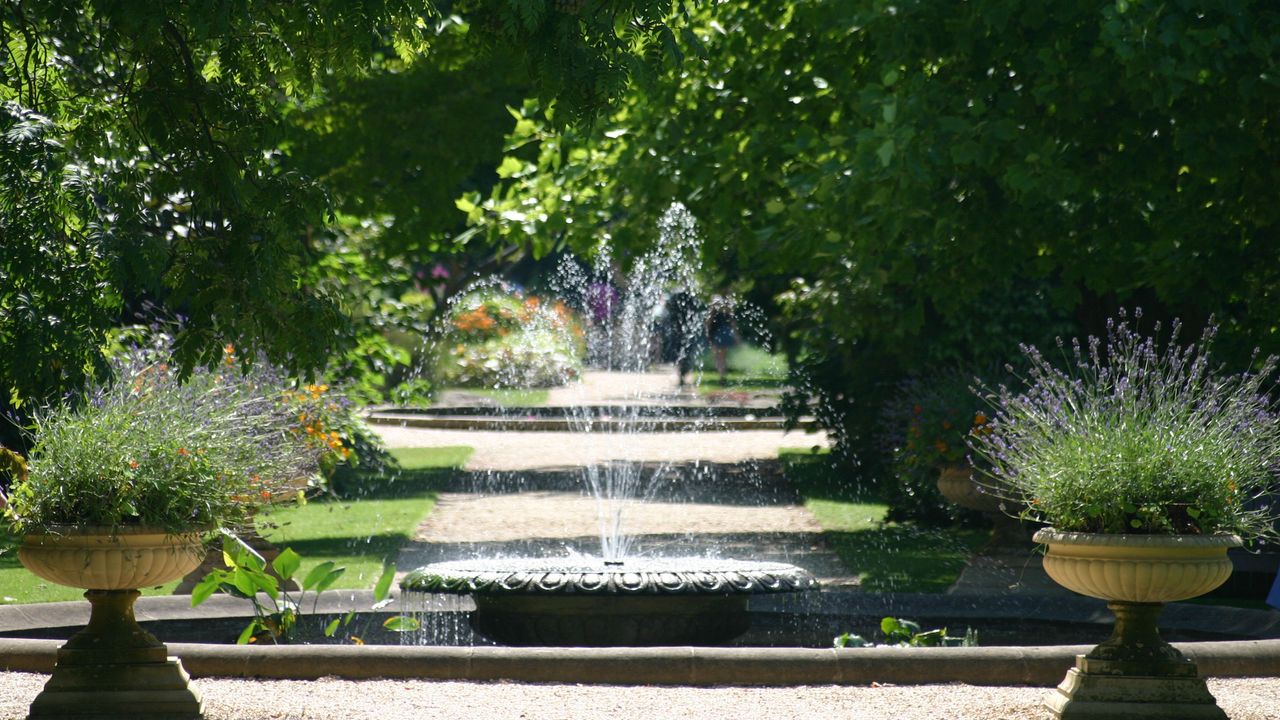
(1134, 674)
(115, 669)
(1088, 696)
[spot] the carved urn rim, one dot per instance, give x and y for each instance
(656, 576)
(60, 532)
(1053, 536)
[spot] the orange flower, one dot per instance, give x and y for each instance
(942, 446)
(183, 452)
(979, 419)
(133, 464)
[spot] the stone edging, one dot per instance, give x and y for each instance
(661, 666)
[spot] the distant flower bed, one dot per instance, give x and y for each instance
(499, 339)
(926, 426)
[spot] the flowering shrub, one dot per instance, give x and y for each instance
(926, 427)
(319, 417)
(935, 421)
(150, 449)
(1135, 437)
(506, 340)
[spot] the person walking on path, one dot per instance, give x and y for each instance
(722, 331)
(683, 337)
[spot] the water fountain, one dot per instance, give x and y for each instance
(618, 597)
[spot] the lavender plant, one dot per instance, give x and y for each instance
(1137, 436)
(148, 448)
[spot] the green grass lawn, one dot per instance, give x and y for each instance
(365, 527)
(360, 530)
(749, 368)
(887, 557)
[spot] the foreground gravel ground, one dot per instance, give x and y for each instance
(332, 699)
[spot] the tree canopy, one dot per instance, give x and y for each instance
(192, 154)
(922, 184)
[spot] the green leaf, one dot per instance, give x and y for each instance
(849, 640)
(317, 574)
(247, 633)
(510, 167)
(383, 586)
(890, 625)
(237, 553)
(329, 579)
(332, 627)
(206, 587)
(885, 152)
(287, 563)
(243, 581)
(402, 623)
(265, 583)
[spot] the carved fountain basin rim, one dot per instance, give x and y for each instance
(1054, 536)
(541, 577)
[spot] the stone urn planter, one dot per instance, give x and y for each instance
(113, 668)
(1135, 673)
(956, 483)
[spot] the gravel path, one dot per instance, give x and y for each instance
(328, 699)
(463, 517)
(541, 450)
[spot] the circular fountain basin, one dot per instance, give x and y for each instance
(594, 418)
(593, 603)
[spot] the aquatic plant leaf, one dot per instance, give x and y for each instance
(287, 563)
(383, 585)
(329, 579)
(317, 573)
(402, 623)
(206, 587)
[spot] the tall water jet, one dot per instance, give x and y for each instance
(620, 596)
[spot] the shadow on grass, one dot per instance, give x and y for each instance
(382, 547)
(888, 557)
(906, 559)
(391, 484)
(712, 383)
(817, 477)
